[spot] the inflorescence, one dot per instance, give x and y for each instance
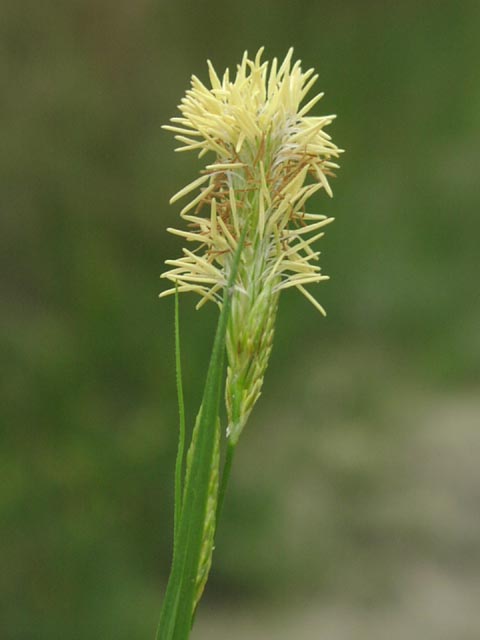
(271, 157)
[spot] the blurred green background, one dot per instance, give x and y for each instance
(354, 505)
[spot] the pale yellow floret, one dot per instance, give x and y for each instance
(225, 166)
(309, 228)
(300, 279)
(190, 187)
(201, 196)
(311, 299)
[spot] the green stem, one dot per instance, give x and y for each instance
(227, 469)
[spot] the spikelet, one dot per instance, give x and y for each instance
(270, 158)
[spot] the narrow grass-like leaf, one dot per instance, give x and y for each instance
(179, 601)
(181, 416)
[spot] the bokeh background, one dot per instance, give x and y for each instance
(354, 506)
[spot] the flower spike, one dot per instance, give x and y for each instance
(270, 157)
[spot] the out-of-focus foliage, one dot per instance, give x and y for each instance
(88, 403)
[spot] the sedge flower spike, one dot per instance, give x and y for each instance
(271, 156)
